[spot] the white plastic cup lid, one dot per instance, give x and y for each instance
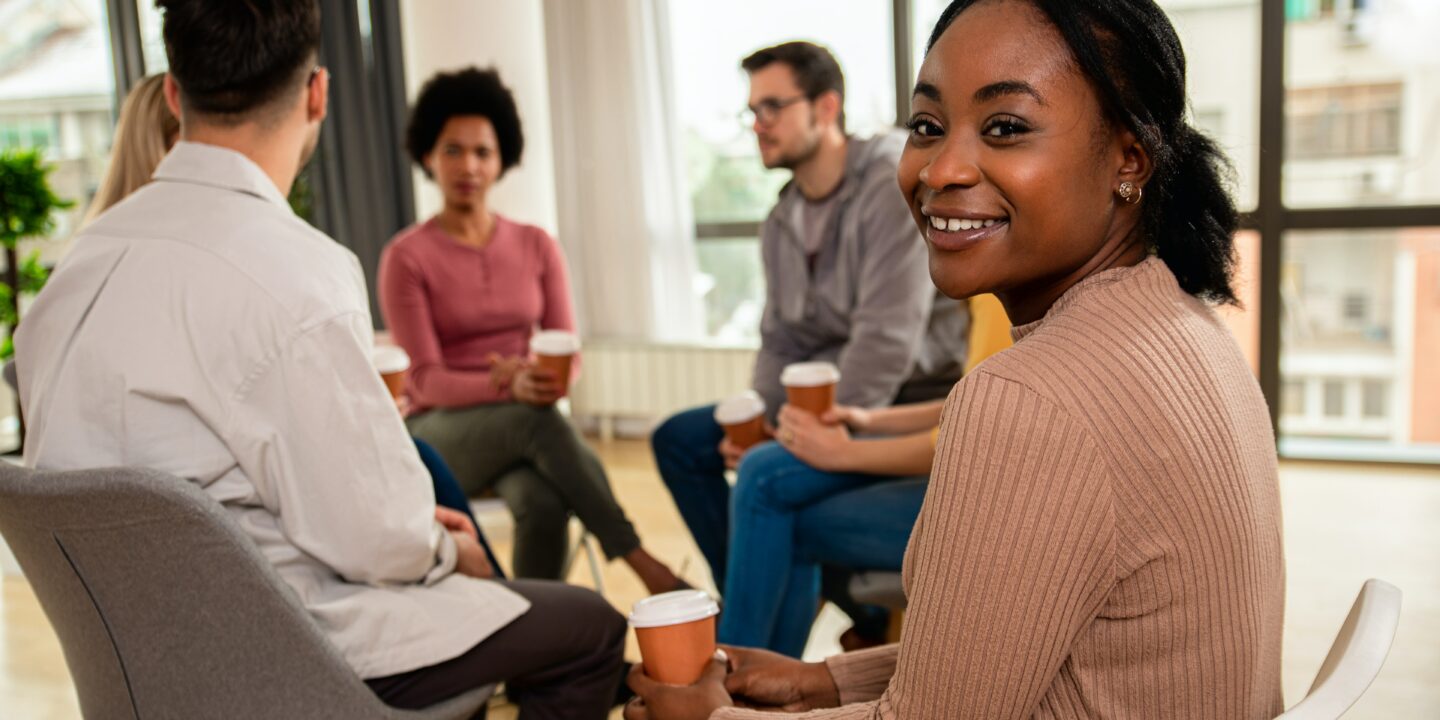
(809, 374)
(739, 408)
(555, 342)
(389, 359)
(673, 608)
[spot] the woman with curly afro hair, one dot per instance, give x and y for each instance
(463, 292)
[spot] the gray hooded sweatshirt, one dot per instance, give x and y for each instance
(868, 304)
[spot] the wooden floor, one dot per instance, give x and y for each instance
(1343, 524)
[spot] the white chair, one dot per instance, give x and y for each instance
(1355, 657)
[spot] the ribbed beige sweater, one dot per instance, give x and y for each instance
(1101, 537)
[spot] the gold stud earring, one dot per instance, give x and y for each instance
(1130, 192)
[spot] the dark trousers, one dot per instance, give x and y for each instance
(535, 460)
(560, 660)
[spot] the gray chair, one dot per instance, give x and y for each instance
(165, 609)
(878, 587)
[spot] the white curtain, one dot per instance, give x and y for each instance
(623, 200)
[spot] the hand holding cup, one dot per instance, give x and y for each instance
(555, 352)
(821, 445)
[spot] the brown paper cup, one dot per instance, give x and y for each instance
(395, 383)
(392, 363)
(746, 434)
(560, 366)
(677, 654)
(815, 400)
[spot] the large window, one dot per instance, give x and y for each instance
(731, 191)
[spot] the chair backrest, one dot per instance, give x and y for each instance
(164, 608)
(1356, 656)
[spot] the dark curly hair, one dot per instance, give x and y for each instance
(470, 91)
(1130, 51)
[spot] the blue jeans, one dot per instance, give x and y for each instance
(788, 520)
(688, 455)
(449, 494)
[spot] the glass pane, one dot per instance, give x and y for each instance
(1360, 334)
(733, 285)
(56, 96)
(1361, 103)
(1222, 49)
(152, 41)
(707, 42)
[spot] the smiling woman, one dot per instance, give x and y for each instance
(1101, 535)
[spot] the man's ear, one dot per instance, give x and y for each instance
(172, 100)
(828, 107)
(317, 99)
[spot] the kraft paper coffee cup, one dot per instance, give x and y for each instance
(391, 362)
(743, 417)
(810, 386)
(676, 631)
(555, 350)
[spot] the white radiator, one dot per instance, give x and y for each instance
(647, 382)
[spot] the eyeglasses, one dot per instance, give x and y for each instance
(314, 73)
(768, 110)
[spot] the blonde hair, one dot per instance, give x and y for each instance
(142, 137)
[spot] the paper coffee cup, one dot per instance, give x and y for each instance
(391, 362)
(743, 417)
(810, 386)
(676, 631)
(554, 350)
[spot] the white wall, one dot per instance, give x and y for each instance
(510, 35)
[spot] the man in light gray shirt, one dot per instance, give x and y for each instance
(847, 281)
(200, 328)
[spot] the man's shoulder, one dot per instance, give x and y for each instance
(876, 159)
(228, 238)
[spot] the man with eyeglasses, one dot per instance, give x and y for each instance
(847, 282)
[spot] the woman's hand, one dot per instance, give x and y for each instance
(536, 386)
(503, 369)
(821, 446)
(857, 419)
(770, 681)
(657, 701)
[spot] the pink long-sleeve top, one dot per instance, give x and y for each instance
(451, 305)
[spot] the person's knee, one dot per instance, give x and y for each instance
(679, 435)
(589, 609)
(761, 473)
(667, 436)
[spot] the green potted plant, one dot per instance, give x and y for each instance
(27, 210)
